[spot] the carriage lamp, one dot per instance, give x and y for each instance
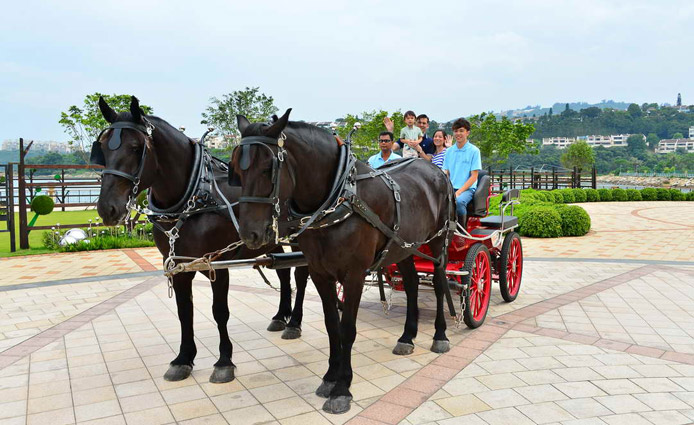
(181, 129)
(210, 129)
(357, 125)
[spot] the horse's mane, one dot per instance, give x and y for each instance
(160, 124)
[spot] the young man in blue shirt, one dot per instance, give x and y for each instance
(385, 143)
(462, 163)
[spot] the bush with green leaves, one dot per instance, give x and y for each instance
(540, 222)
(552, 197)
(633, 195)
(605, 195)
(568, 195)
(690, 195)
(542, 197)
(575, 221)
(649, 194)
(592, 195)
(676, 195)
(619, 195)
(42, 204)
(580, 195)
(102, 238)
(663, 194)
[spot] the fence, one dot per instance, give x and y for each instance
(556, 178)
(7, 202)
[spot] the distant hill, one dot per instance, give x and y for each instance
(558, 107)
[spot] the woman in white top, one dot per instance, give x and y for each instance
(440, 142)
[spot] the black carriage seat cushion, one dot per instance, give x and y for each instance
(494, 222)
(479, 206)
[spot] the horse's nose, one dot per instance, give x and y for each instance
(253, 239)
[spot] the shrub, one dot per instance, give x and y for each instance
(690, 195)
(662, 194)
(580, 195)
(568, 195)
(592, 195)
(605, 195)
(42, 205)
(575, 221)
(633, 195)
(676, 195)
(540, 222)
(619, 195)
(542, 197)
(553, 196)
(649, 194)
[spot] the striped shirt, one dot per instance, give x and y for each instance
(437, 159)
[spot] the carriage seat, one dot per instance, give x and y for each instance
(502, 221)
(479, 206)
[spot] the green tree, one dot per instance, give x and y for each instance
(678, 135)
(250, 102)
(365, 141)
(652, 140)
(636, 145)
(578, 154)
(84, 124)
(634, 110)
(497, 139)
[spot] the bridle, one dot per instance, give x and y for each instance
(278, 161)
(114, 143)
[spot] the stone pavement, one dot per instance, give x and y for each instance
(591, 339)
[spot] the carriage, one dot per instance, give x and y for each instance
(487, 249)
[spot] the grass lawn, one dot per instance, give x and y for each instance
(65, 218)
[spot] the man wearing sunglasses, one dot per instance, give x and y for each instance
(385, 143)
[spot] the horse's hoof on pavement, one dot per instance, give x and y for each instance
(222, 374)
(337, 405)
(178, 372)
(403, 349)
(291, 333)
(325, 388)
(441, 346)
(276, 326)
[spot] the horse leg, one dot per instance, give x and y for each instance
(224, 368)
(279, 320)
(293, 330)
(181, 367)
(410, 279)
(441, 343)
(340, 396)
(326, 289)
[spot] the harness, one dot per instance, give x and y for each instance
(202, 194)
(342, 201)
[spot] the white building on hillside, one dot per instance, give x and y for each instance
(691, 132)
(671, 145)
(559, 142)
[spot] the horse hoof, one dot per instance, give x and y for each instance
(222, 374)
(178, 372)
(291, 333)
(337, 405)
(325, 388)
(403, 349)
(276, 326)
(441, 346)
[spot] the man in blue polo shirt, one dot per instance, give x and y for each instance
(462, 163)
(385, 143)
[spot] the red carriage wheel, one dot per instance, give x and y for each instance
(510, 267)
(340, 296)
(479, 285)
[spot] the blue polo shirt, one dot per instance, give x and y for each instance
(377, 160)
(460, 162)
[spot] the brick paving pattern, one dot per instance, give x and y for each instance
(584, 343)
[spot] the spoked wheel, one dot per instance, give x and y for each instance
(340, 296)
(510, 267)
(479, 285)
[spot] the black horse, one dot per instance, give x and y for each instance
(308, 159)
(164, 159)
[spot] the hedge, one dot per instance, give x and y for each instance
(568, 195)
(605, 195)
(540, 222)
(676, 195)
(633, 195)
(592, 195)
(580, 195)
(619, 195)
(663, 194)
(690, 196)
(649, 194)
(575, 221)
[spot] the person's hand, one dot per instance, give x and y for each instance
(389, 124)
(449, 141)
(458, 192)
(412, 143)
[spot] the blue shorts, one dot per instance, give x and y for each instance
(463, 200)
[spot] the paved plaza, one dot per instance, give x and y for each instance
(601, 333)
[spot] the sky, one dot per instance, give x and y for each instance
(325, 59)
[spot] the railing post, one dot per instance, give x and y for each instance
(532, 177)
(62, 188)
(594, 178)
(554, 178)
(512, 178)
(23, 234)
(10, 206)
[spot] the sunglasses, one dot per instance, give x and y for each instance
(384, 141)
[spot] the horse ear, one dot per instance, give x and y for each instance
(279, 125)
(135, 109)
(109, 114)
(242, 123)
(274, 117)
